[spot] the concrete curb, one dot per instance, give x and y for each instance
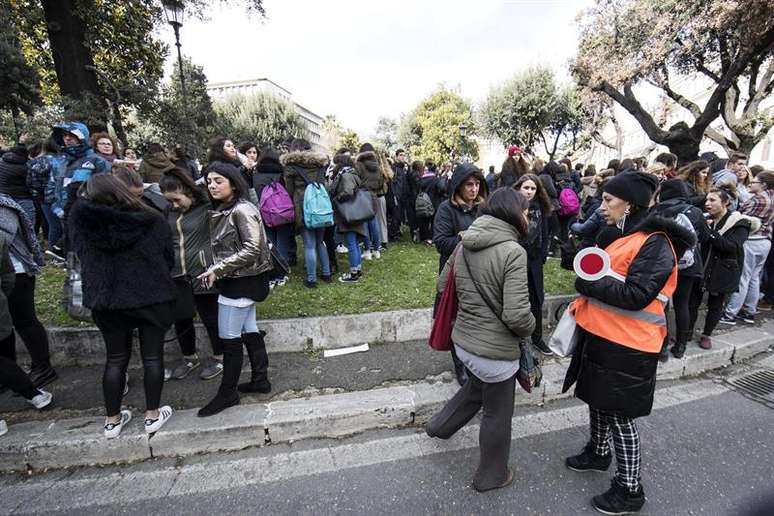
(83, 346)
(78, 442)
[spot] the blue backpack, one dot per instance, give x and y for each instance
(318, 210)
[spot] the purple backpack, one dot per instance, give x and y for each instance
(276, 206)
(569, 204)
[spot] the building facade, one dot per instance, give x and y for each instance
(312, 121)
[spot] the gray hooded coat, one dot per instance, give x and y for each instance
(491, 278)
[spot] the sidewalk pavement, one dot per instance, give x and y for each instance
(84, 346)
(74, 441)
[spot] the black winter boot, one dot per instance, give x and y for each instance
(618, 500)
(678, 350)
(587, 460)
(227, 395)
(259, 362)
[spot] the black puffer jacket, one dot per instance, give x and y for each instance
(430, 184)
(670, 209)
(453, 216)
(724, 254)
(13, 174)
(611, 377)
(126, 256)
(536, 240)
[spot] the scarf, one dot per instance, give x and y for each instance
(24, 244)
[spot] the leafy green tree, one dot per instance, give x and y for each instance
(386, 134)
(190, 120)
(662, 42)
(99, 57)
(349, 139)
(431, 130)
(19, 91)
(532, 109)
(260, 117)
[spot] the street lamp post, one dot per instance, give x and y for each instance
(174, 10)
(463, 134)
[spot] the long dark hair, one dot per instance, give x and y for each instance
(507, 205)
(514, 168)
(109, 190)
(690, 173)
(216, 152)
(177, 180)
(540, 195)
(234, 177)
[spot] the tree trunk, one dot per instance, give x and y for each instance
(682, 142)
(67, 36)
(15, 119)
(118, 125)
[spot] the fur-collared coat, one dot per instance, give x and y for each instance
(126, 256)
(301, 169)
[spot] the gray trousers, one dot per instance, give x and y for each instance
(494, 437)
(755, 253)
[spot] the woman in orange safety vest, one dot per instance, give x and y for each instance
(623, 324)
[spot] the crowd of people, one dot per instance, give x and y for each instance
(157, 241)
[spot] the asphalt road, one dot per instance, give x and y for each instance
(712, 456)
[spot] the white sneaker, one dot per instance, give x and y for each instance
(341, 249)
(367, 255)
(41, 400)
(167, 376)
(281, 282)
(3, 427)
(376, 254)
(112, 430)
(154, 425)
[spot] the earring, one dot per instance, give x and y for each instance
(626, 211)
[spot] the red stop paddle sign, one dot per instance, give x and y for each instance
(591, 263)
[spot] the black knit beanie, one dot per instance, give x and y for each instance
(634, 187)
(673, 189)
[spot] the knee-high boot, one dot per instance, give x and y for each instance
(227, 395)
(259, 362)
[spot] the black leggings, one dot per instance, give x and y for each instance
(207, 308)
(21, 305)
(118, 344)
(425, 226)
(715, 303)
(536, 295)
(12, 376)
(681, 303)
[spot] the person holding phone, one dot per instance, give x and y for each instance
(189, 219)
(241, 256)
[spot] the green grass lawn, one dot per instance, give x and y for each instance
(403, 278)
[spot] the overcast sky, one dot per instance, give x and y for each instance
(361, 59)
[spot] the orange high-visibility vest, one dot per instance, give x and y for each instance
(643, 330)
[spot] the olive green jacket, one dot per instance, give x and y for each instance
(492, 318)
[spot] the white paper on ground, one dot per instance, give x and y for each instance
(344, 351)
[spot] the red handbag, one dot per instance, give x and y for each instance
(446, 313)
